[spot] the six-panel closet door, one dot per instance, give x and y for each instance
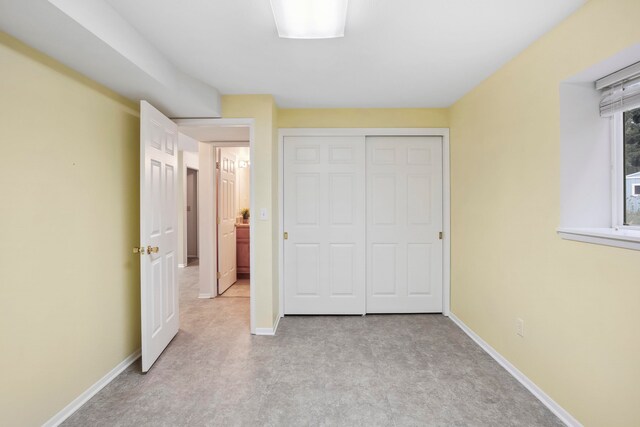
(404, 221)
(324, 218)
(362, 218)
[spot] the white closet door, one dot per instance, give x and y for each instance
(404, 219)
(324, 216)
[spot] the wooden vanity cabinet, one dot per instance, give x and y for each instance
(242, 249)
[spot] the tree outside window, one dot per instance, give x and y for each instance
(631, 165)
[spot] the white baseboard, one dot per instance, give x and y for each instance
(204, 296)
(268, 331)
(72, 407)
(182, 265)
(543, 397)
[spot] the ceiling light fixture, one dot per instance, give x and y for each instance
(310, 19)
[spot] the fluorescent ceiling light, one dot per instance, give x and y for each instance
(310, 19)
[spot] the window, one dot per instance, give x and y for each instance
(631, 156)
(621, 103)
(631, 167)
(600, 154)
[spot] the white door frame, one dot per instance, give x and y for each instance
(250, 123)
(364, 132)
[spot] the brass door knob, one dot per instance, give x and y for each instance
(138, 250)
(152, 250)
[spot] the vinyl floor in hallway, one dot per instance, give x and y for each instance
(392, 370)
(240, 289)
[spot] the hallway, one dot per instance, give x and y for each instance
(375, 370)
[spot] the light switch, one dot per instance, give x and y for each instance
(263, 214)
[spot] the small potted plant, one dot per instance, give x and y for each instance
(245, 215)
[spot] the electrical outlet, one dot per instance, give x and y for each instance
(520, 327)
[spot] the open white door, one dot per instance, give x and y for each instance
(227, 221)
(158, 237)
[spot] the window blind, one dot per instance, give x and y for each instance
(620, 91)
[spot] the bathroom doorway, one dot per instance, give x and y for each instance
(233, 224)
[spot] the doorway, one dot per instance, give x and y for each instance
(233, 220)
(209, 135)
(192, 216)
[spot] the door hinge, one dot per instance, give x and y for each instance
(286, 235)
(218, 220)
(218, 275)
(217, 165)
(440, 235)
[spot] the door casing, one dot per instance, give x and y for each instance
(365, 132)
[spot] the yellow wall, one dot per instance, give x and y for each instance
(363, 118)
(69, 285)
(580, 302)
(261, 108)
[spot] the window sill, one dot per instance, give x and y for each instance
(620, 238)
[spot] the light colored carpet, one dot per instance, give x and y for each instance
(240, 289)
(386, 370)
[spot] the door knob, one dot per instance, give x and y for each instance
(138, 250)
(152, 250)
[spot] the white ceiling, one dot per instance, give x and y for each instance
(395, 53)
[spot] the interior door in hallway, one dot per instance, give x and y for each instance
(324, 218)
(227, 212)
(158, 224)
(192, 213)
(404, 221)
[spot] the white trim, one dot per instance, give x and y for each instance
(269, 331)
(182, 265)
(281, 220)
(205, 296)
(543, 397)
(362, 132)
(365, 132)
(250, 123)
(446, 223)
(72, 407)
(626, 238)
